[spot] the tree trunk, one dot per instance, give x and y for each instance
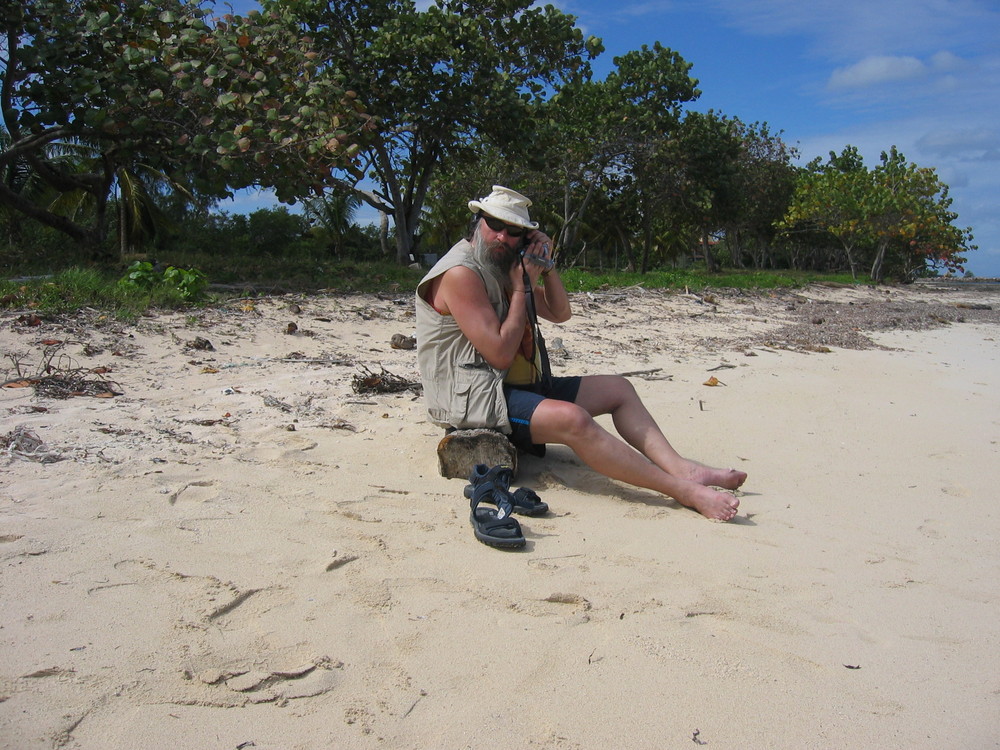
(710, 262)
(383, 234)
(122, 234)
(850, 261)
(647, 243)
(879, 262)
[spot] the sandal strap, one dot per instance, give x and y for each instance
(499, 475)
(495, 496)
(526, 496)
(500, 524)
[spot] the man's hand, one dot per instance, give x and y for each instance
(537, 254)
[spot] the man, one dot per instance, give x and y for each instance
(481, 368)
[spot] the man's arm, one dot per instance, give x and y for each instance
(462, 294)
(551, 300)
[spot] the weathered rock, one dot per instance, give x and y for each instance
(460, 450)
(399, 341)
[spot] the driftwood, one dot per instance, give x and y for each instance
(461, 450)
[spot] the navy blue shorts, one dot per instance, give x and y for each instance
(522, 402)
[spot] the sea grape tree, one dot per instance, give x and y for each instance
(219, 103)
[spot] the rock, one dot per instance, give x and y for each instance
(399, 341)
(460, 450)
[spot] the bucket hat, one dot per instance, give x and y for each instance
(507, 205)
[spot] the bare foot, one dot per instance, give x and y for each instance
(714, 505)
(729, 479)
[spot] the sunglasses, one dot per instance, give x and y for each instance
(498, 226)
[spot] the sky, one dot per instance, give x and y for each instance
(921, 75)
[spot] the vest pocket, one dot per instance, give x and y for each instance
(478, 399)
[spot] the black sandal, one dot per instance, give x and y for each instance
(495, 527)
(524, 501)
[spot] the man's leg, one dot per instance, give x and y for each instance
(614, 395)
(570, 424)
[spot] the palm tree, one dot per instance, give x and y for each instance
(136, 186)
(140, 219)
(331, 216)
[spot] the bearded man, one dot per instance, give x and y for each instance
(482, 366)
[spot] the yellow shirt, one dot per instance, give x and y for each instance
(527, 365)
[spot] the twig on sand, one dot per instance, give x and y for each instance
(647, 374)
(58, 376)
(382, 382)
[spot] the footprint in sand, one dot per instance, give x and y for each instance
(929, 531)
(288, 451)
(201, 491)
(242, 684)
(955, 490)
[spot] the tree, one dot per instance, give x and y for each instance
(245, 102)
(762, 184)
(600, 133)
(653, 84)
(896, 216)
(830, 198)
(272, 231)
(331, 216)
(911, 221)
(440, 81)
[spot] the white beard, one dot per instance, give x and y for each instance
(497, 257)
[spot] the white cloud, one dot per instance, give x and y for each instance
(638, 10)
(947, 62)
(979, 143)
(851, 29)
(875, 70)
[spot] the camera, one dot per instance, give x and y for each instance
(546, 263)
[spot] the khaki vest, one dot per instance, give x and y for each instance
(461, 388)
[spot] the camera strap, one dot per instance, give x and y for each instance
(536, 333)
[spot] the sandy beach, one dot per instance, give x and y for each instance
(224, 542)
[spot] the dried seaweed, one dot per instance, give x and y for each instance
(24, 444)
(59, 376)
(382, 382)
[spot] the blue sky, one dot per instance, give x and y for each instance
(923, 75)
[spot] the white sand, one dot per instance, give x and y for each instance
(194, 574)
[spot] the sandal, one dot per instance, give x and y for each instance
(495, 527)
(524, 501)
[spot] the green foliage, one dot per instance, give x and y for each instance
(440, 80)
(273, 231)
(122, 115)
(244, 102)
(143, 288)
(598, 136)
(189, 284)
(76, 288)
(331, 219)
(895, 218)
(141, 275)
(578, 280)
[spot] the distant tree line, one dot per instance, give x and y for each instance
(125, 121)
